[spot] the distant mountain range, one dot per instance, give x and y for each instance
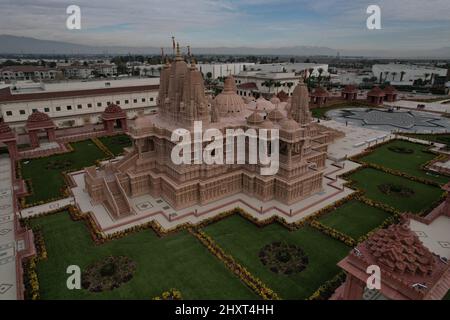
(26, 45)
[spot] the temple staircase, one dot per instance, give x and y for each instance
(116, 199)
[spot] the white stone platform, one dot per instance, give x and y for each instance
(147, 208)
(356, 139)
(435, 236)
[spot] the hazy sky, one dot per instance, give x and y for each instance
(406, 24)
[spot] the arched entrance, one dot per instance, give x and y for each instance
(114, 118)
(37, 123)
(9, 138)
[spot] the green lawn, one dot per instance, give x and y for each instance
(354, 218)
(243, 241)
(178, 261)
(48, 181)
(409, 163)
(369, 179)
(116, 143)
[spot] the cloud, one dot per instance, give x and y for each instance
(338, 23)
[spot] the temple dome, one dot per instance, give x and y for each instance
(228, 101)
(275, 115)
(266, 124)
(350, 88)
(289, 124)
(376, 91)
(263, 104)
(400, 250)
(4, 128)
(275, 100)
(255, 118)
(390, 90)
(38, 116)
(248, 99)
(113, 108)
(320, 92)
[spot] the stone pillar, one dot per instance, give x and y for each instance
(51, 134)
(124, 125)
(353, 288)
(108, 125)
(34, 139)
(12, 150)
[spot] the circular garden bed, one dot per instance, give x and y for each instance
(108, 274)
(396, 189)
(283, 258)
(59, 164)
(401, 150)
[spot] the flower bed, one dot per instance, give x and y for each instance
(396, 189)
(171, 294)
(30, 279)
(349, 241)
(326, 290)
(250, 280)
(283, 258)
(102, 147)
(108, 274)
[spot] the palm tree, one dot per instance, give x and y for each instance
(320, 70)
(393, 75)
(268, 83)
(152, 70)
(277, 85)
(386, 73)
(426, 76)
(289, 85)
(402, 74)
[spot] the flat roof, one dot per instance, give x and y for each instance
(6, 96)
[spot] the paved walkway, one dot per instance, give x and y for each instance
(8, 286)
(46, 207)
(429, 106)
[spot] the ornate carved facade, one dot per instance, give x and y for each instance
(147, 167)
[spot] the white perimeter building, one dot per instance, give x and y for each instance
(405, 74)
(76, 103)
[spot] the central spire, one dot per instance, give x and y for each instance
(178, 56)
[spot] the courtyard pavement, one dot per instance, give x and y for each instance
(356, 139)
(8, 285)
(435, 236)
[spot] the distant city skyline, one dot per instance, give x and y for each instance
(406, 24)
